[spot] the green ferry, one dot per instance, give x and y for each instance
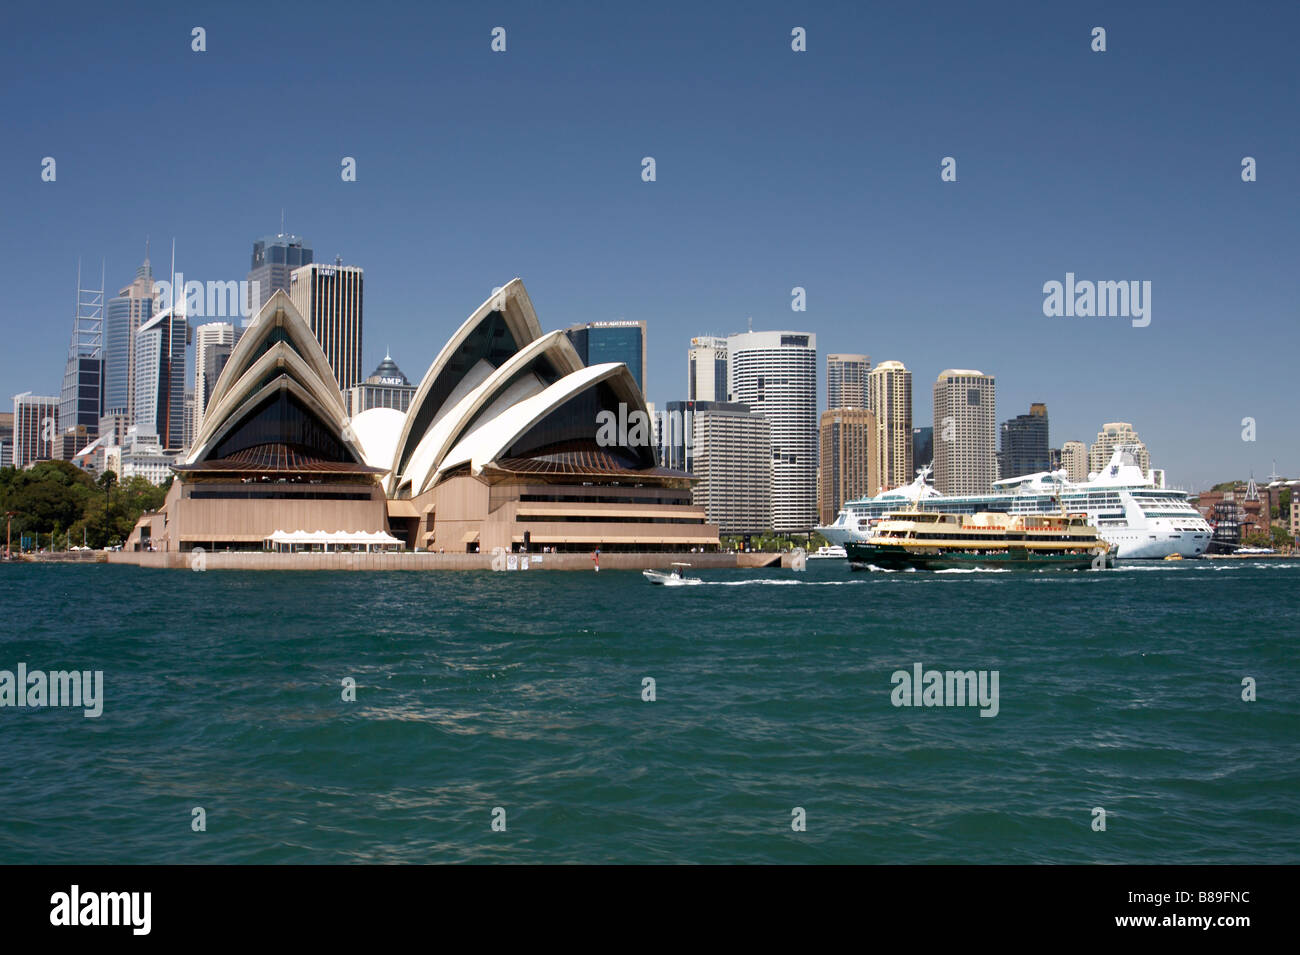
(927, 540)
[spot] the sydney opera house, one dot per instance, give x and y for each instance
(499, 448)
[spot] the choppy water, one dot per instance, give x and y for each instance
(1119, 690)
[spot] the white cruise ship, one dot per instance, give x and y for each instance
(1144, 520)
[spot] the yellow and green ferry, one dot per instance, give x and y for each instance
(929, 540)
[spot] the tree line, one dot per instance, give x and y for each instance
(57, 498)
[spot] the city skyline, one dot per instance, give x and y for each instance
(955, 270)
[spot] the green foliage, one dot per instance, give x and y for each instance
(57, 497)
(1277, 537)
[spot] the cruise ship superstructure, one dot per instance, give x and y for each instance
(1129, 510)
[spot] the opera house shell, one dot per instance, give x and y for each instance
(498, 448)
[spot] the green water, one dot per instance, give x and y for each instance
(1120, 690)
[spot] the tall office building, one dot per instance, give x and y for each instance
(707, 369)
(387, 387)
(620, 340)
(775, 375)
(965, 432)
(1111, 434)
(6, 439)
(330, 298)
(673, 435)
(82, 395)
(849, 459)
(160, 346)
(1074, 460)
(125, 313)
(213, 343)
(36, 428)
(846, 380)
(729, 456)
(922, 447)
(1025, 445)
(275, 258)
(889, 397)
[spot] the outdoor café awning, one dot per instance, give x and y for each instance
(334, 538)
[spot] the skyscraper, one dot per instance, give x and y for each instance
(729, 456)
(775, 374)
(707, 369)
(274, 259)
(1111, 434)
(849, 459)
(965, 430)
(922, 447)
(160, 378)
(620, 340)
(36, 426)
(125, 313)
(213, 343)
(1025, 445)
(673, 435)
(846, 380)
(330, 298)
(82, 396)
(889, 397)
(1074, 459)
(6, 439)
(387, 387)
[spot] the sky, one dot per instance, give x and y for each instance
(774, 169)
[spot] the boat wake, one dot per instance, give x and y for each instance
(775, 582)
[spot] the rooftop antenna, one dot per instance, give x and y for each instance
(282, 220)
(751, 323)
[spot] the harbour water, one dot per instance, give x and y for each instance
(1119, 690)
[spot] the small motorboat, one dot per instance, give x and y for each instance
(673, 578)
(1173, 556)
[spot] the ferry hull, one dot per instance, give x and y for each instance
(863, 556)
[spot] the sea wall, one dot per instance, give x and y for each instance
(253, 560)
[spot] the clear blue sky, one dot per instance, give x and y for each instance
(775, 169)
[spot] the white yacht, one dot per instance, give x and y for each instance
(1141, 518)
(827, 551)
